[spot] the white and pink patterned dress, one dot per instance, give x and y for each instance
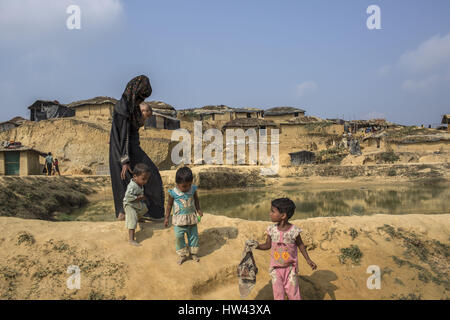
(284, 262)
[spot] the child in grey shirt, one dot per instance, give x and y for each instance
(133, 202)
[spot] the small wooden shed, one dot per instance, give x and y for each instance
(22, 161)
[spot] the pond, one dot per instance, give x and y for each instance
(254, 204)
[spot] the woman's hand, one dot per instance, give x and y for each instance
(125, 167)
(200, 213)
(166, 222)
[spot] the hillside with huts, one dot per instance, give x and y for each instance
(77, 134)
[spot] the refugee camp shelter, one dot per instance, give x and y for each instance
(246, 113)
(162, 121)
(249, 123)
(301, 157)
(296, 127)
(374, 141)
(95, 107)
(215, 113)
(45, 109)
(10, 124)
(7, 125)
(375, 124)
(219, 114)
(162, 108)
(283, 113)
(446, 120)
(19, 160)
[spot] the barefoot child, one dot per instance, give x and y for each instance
(284, 238)
(133, 202)
(184, 200)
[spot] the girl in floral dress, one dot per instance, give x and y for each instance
(186, 206)
(284, 239)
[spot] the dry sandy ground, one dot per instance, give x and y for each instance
(411, 250)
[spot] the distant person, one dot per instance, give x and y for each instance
(186, 206)
(125, 152)
(284, 239)
(56, 167)
(133, 201)
(49, 163)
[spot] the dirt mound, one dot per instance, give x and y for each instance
(41, 197)
(411, 251)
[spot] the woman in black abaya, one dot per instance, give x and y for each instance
(125, 152)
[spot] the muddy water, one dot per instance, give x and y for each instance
(320, 202)
(254, 204)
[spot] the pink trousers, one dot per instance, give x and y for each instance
(285, 281)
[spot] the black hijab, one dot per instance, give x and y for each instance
(136, 91)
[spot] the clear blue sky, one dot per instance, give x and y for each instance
(315, 54)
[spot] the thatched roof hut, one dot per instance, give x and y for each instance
(94, 101)
(303, 120)
(278, 111)
(98, 106)
(220, 107)
(10, 124)
(355, 125)
(372, 122)
(18, 120)
(336, 121)
(162, 108)
(246, 123)
(159, 105)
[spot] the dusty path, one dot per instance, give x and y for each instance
(411, 250)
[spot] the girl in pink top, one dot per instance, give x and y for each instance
(284, 238)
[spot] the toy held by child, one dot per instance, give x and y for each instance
(186, 206)
(133, 202)
(284, 239)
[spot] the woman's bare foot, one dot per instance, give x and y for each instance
(181, 260)
(134, 243)
(121, 217)
(195, 258)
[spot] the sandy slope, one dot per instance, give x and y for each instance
(110, 268)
